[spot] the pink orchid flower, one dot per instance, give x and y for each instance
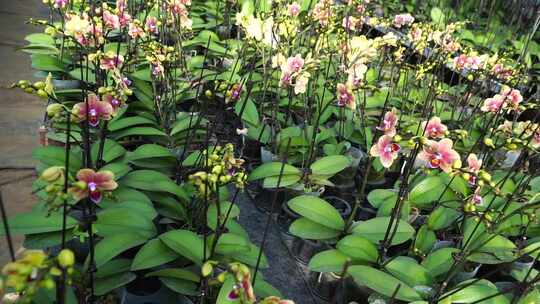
(474, 163)
(152, 25)
(95, 183)
(439, 154)
(295, 64)
(493, 104)
(351, 23)
(345, 96)
(111, 61)
(111, 21)
(386, 150)
(389, 123)
(97, 110)
(60, 3)
(135, 31)
(113, 101)
(403, 20)
(513, 96)
(434, 128)
(294, 9)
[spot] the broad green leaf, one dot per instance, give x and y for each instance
(306, 229)
(123, 220)
(249, 257)
(226, 208)
(425, 239)
(185, 243)
(437, 16)
(478, 291)
(107, 284)
(383, 283)
(328, 261)
(113, 267)
(442, 217)
(111, 150)
(378, 197)
(409, 271)
(153, 253)
(330, 165)
(49, 63)
(375, 230)
(180, 286)
(177, 273)
(248, 110)
(317, 210)
(56, 156)
(37, 221)
(128, 122)
(40, 38)
(231, 243)
(440, 261)
(283, 181)
(150, 151)
(138, 131)
(272, 169)
(150, 180)
(358, 248)
(113, 245)
(429, 191)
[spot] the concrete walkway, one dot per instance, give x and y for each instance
(20, 113)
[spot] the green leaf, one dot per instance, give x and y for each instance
(440, 261)
(476, 292)
(409, 271)
(425, 239)
(113, 267)
(382, 283)
(56, 156)
(375, 230)
(180, 286)
(188, 121)
(111, 150)
(284, 181)
(442, 217)
(307, 229)
(378, 197)
(150, 180)
(128, 122)
(107, 284)
(358, 248)
(185, 243)
(272, 169)
(138, 131)
(153, 253)
(317, 210)
(212, 213)
(122, 220)
(437, 15)
(150, 151)
(177, 273)
(429, 191)
(249, 113)
(47, 63)
(249, 257)
(328, 261)
(231, 243)
(37, 221)
(40, 38)
(119, 169)
(330, 165)
(113, 245)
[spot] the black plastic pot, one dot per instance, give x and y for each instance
(328, 286)
(150, 291)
